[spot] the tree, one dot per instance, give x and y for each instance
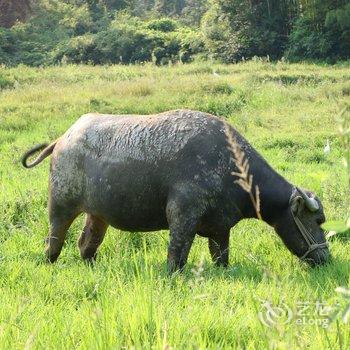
(116, 5)
(13, 11)
(321, 31)
(169, 7)
(252, 28)
(193, 12)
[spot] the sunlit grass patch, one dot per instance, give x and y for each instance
(127, 298)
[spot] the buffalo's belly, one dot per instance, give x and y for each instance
(133, 212)
(134, 219)
(127, 196)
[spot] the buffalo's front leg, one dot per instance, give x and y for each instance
(181, 239)
(91, 237)
(219, 249)
(183, 215)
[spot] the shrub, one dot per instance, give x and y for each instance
(305, 42)
(5, 82)
(65, 31)
(81, 49)
(163, 25)
(129, 40)
(7, 46)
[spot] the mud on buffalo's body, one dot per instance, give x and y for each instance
(171, 170)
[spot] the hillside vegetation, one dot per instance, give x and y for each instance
(48, 32)
(287, 112)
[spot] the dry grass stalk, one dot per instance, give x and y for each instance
(245, 180)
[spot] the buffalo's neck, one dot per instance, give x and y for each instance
(274, 191)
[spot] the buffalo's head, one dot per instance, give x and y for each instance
(299, 226)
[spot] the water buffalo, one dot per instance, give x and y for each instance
(174, 170)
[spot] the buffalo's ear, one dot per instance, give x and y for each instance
(297, 205)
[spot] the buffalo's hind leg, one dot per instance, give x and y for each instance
(91, 237)
(60, 220)
(219, 248)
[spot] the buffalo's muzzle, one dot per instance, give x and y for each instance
(318, 257)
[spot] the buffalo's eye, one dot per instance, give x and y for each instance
(320, 220)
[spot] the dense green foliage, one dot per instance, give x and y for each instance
(127, 299)
(131, 40)
(45, 32)
(317, 29)
(328, 37)
(62, 30)
(247, 29)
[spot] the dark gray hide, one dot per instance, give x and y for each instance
(171, 170)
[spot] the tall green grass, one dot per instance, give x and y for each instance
(127, 299)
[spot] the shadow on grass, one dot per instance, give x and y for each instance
(208, 271)
(335, 272)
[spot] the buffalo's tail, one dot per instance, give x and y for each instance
(47, 150)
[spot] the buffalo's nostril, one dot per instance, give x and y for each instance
(318, 257)
(324, 255)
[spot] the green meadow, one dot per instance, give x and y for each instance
(127, 299)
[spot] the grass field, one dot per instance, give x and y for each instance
(287, 111)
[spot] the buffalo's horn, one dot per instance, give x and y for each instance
(311, 203)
